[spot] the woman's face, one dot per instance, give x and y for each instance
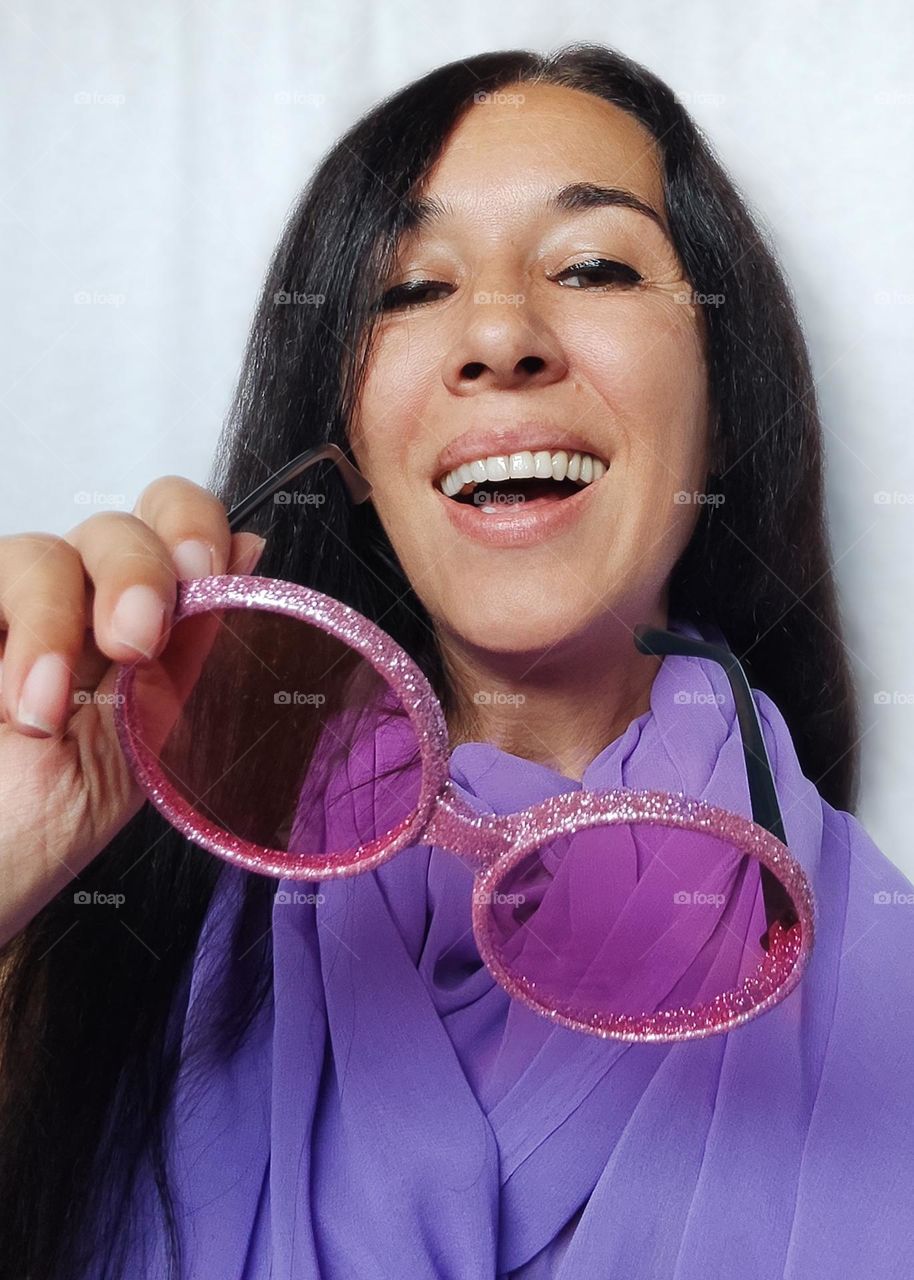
(515, 348)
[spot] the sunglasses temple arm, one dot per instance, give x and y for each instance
(762, 794)
(357, 486)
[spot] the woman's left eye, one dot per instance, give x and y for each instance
(412, 293)
(603, 268)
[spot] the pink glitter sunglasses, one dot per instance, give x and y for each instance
(630, 915)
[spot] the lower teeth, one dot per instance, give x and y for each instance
(518, 493)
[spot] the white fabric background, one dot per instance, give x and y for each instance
(150, 153)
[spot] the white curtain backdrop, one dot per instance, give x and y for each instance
(150, 151)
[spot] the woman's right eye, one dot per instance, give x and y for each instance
(409, 294)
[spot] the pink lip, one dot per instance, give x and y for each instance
(513, 525)
(514, 438)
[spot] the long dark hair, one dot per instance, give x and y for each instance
(89, 1046)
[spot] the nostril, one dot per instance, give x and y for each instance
(531, 364)
(473, 370)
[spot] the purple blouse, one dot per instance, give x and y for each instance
(392, 1113)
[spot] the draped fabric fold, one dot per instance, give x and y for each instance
(394, 1113)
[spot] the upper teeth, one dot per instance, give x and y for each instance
(542, 465)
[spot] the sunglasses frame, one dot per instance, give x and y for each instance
(493, 844)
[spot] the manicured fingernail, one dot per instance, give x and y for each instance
(193, 559)
(44, 693)
(138, 618)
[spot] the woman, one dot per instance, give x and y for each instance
(358, 1098)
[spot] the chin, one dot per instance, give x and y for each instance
(507, 622)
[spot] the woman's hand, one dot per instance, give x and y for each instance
(71, 608)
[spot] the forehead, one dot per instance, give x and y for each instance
(508, 154)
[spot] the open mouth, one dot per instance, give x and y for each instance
(517, 492)
(522, 480)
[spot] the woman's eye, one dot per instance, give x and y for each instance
(410, 294)
(602, 270)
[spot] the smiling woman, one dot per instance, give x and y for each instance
(538, 312)
(562, 354)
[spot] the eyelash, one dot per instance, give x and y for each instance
(410, 288)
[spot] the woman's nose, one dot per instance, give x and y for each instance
(503, 346)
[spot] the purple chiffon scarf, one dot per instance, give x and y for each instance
(393, 1113)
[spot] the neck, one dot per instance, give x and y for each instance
(558, 706)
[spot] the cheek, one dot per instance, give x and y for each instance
(646, 364)
(404, 370)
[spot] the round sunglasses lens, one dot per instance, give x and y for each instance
(278, 733)
(629, 919)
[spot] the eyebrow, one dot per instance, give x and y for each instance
(423, 212)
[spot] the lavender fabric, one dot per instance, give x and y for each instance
(393, 1113)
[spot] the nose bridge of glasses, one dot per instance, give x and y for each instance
(479, 839)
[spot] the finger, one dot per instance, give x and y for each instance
(133, 584)
(192, 523)
(43, 609)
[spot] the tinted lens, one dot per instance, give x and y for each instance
(279, 733)
(629, 919)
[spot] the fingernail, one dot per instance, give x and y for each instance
(193, 559)
(138, 618)
(246, 564)
(44, 693)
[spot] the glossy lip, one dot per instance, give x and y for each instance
(518, 437)
(512, 524)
